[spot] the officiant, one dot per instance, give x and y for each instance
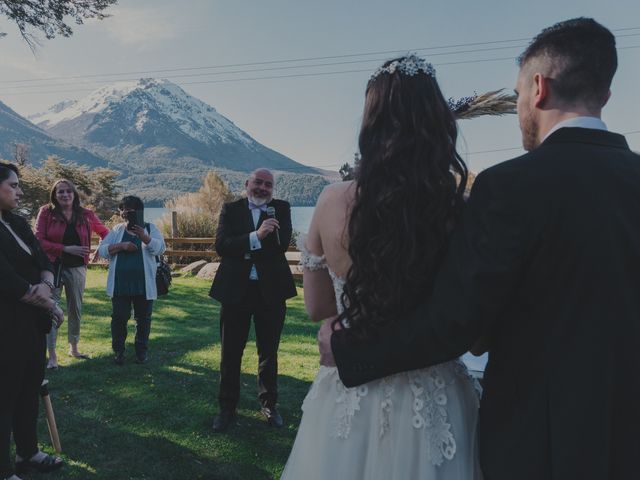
(253, 281)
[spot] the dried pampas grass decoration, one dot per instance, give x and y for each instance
(490, 103)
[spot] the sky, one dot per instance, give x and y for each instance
(312, 113)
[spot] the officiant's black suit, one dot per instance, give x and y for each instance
(545, 262)
(242, 298)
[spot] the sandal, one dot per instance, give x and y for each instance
(79, 356)
(49, 463)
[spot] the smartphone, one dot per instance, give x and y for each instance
(135, 217)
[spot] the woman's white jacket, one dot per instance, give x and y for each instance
(155, 247)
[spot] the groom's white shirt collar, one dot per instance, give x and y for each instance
(579, 122)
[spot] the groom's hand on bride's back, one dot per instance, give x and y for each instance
(324, 341)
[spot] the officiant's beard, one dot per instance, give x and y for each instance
(258, 201)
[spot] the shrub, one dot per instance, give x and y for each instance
(197, 213)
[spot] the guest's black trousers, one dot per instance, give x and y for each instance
(121, 313)
(235, 322)
(21, 371)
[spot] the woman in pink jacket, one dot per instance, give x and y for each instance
(64, 229)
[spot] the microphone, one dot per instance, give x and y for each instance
(271, 213)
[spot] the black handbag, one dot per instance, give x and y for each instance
(163, 272)
(163, 277)
(57, 273)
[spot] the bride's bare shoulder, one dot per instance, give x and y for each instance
(335, 194)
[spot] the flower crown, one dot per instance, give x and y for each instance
(409, 65)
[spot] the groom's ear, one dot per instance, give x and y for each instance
(542, 90)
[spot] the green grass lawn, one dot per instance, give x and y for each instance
(154, 421)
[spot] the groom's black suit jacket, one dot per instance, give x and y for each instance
(545, 262)
(232, 243)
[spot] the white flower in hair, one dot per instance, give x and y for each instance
(410, 65)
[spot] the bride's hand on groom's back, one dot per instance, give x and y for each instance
(324, 342)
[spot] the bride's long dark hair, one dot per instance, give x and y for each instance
(410, 183)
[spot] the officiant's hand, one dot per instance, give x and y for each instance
(324, 342)
(266, 227)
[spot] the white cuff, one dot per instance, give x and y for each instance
(254, 241)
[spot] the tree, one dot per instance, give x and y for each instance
(21, 156)
(97, 188)
(50, 17)
(347, 172)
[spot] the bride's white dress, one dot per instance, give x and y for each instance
(417, 425)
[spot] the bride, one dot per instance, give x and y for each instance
(373, 246)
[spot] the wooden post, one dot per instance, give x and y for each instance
(174, 224)
(174, 230)
(51, 419)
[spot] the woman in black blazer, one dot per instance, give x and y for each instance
(27, 313)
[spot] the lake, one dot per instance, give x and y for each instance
(300, 216)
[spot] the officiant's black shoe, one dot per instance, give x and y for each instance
(274, 419)
(119, 358)
(142, 359)
(224, 420)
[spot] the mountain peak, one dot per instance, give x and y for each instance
(193, 117)
(161, 138)
(156, 115)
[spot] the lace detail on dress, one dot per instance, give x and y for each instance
(429, 411)
(348, 403)
(338, 288)
(309, 260)
(318, 262)
(462, 371)
(385, 406)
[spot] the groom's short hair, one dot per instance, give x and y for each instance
(583, 57)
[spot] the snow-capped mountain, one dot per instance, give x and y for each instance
(155, 114)
(15, 129)
(162, 139)
(41, 118)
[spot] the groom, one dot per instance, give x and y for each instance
(545, 263)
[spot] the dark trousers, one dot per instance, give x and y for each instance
(22, 371)
(235, 321)
(121, 313)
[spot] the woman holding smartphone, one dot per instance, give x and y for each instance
(131, 282)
